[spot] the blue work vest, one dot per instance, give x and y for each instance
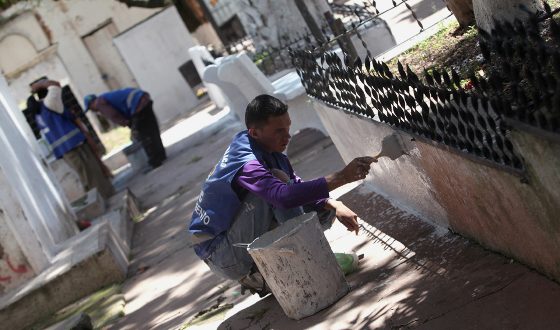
(59, 130)
(218, 203)
(124, 100)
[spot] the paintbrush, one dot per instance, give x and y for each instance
(391, 147)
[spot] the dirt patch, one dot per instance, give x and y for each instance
(450, 48)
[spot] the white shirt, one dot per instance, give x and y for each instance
(53, 100)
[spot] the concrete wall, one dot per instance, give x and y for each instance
(154, 50)
(14, 267)
(206, 35)
(269, 21)
(64, 23)
(484, 203)
(49, 65)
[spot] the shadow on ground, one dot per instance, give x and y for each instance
(415, 275)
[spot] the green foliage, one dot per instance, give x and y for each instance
(102, 306)
(260, 57)
(115, 138)
(7, 3)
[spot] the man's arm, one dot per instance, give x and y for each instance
(255, 178)
(109, 112)
(356, 170)
(346, 216)
(53, 99)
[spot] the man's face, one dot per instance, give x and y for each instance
(274, 135)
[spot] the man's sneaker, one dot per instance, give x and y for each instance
(255, 283)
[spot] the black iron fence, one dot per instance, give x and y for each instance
(368, 11)
(525, 75)
(355, 12)
(435, 108)
(522, 86)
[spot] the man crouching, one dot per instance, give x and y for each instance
(253, 189)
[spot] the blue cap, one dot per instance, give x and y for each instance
(87, 101)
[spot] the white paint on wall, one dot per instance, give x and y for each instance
(401, 180)
(154, 50)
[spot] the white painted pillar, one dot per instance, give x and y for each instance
(32, 202)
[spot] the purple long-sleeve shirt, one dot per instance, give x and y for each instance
(254, 177)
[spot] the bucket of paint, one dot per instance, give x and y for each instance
(297, 263)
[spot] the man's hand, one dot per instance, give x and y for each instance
(43, 84)
(357, 169)
(346, 216)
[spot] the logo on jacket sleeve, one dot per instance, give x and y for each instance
(204, 217)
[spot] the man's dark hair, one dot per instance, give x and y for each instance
(263, 107)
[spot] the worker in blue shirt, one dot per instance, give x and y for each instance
(67, 141)
(132, 107)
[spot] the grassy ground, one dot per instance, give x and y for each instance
(115, 138)
(450, 48)
(103, 307)
(445, 49)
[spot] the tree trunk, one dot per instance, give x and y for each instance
(463, 11)
(486, 11)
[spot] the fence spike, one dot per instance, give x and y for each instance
(555, 30)
(520, 28)
(401, 70)
(446, 79)
(437, 76)
(456, 78)
(387, 71)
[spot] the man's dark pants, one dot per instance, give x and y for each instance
(145, 129)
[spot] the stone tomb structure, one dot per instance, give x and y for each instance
(45, 262)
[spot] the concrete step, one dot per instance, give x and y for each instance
(92, 259)
(80, 321)
(89, 206)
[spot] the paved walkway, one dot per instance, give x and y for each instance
(413, 274)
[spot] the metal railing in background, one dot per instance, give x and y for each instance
(523, 87)
(366, 11)
(272, 59)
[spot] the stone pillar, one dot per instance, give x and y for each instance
(32, 203)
